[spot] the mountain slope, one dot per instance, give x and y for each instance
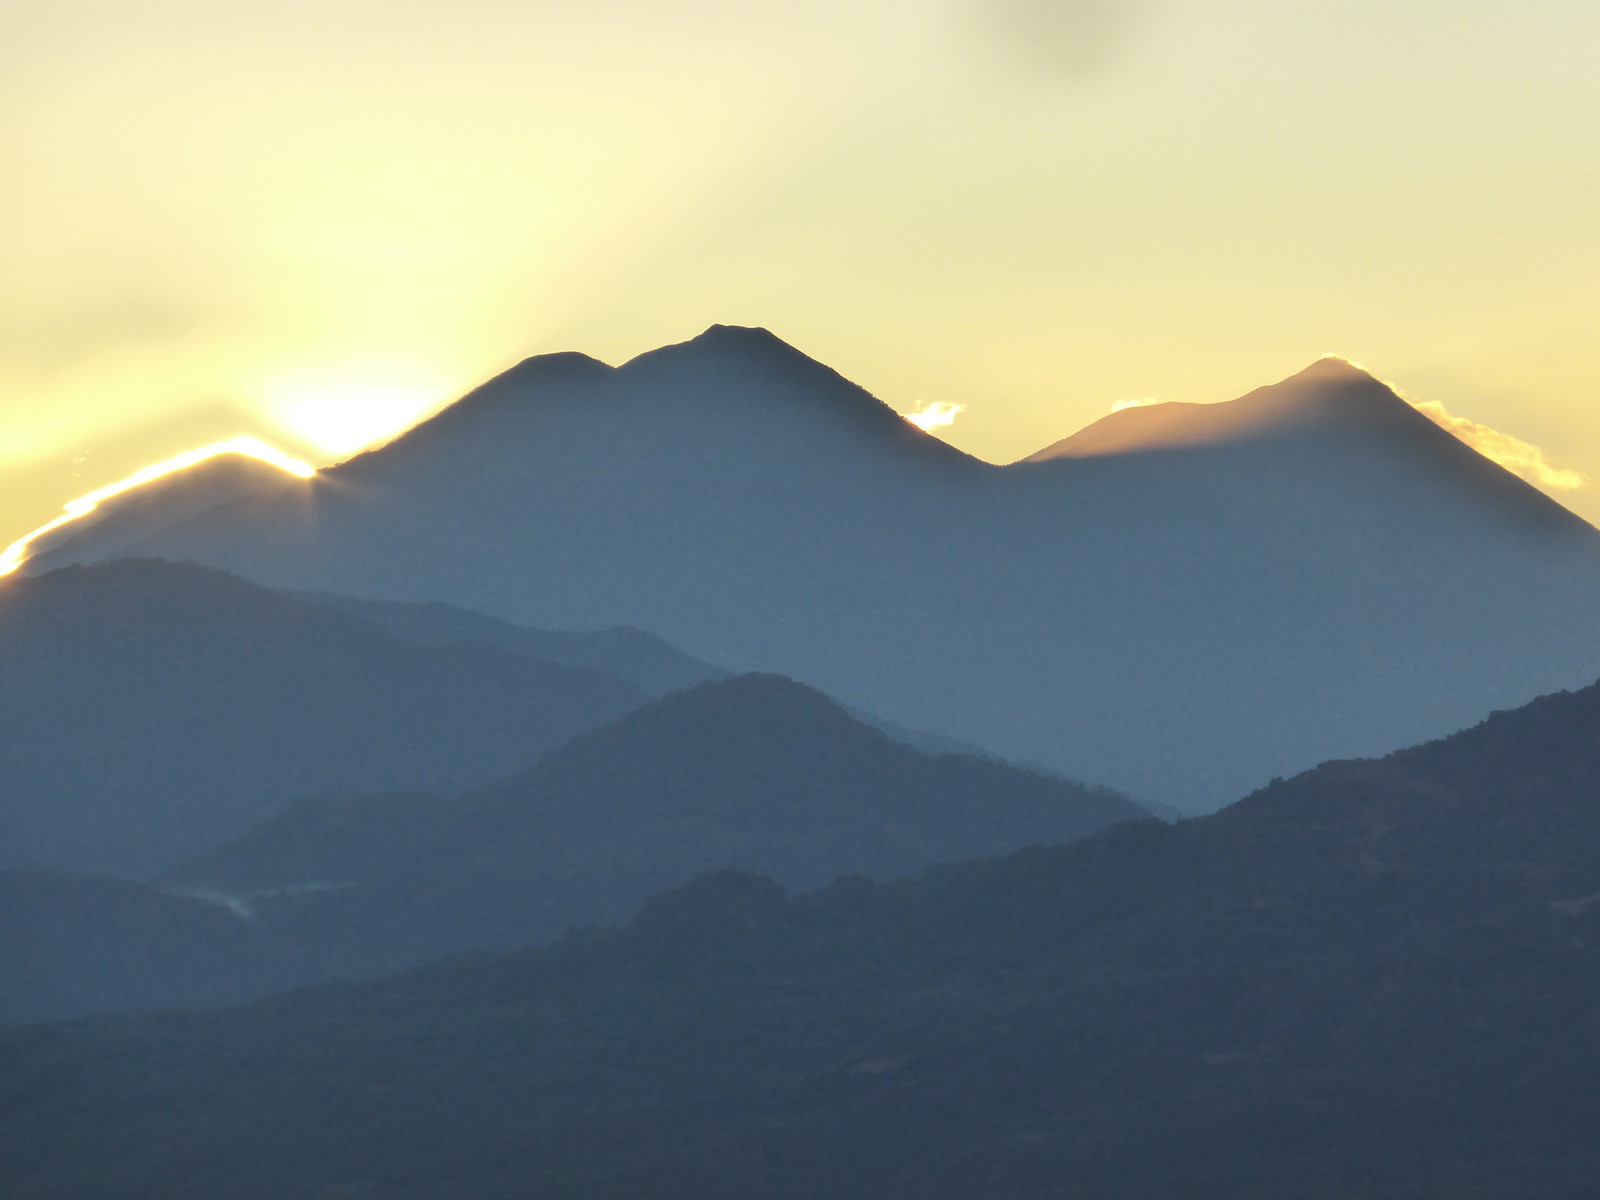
(643, 659)
(756, 772)
(1180, 623)
(151, 710)
(1376, 979)
(1331, 398)
(118, 524)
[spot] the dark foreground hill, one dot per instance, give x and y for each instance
(1377, 979)
(150, 710)
(1309, 572)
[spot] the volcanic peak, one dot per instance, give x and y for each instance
(739, 348)
(1330, 393)
(1335, 368)
(562, 366)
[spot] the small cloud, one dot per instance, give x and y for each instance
(1515, 455)
(1122, 404)
(934, 414)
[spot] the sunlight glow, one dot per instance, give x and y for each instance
(1521, 458)
(1122, 404)
(934, 414)
(17, 553)
(340, 418)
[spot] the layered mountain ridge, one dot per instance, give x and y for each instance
(1375, 979)
(755, 773)
(153, 708)
(1179, 623)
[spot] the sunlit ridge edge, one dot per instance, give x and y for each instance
(249, 447)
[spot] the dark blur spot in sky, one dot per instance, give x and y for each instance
(1073, 39)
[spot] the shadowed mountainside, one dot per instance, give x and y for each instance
(1374, 980)
(643, 659)
(152, 710)
(758, 773)
(73, 944)
(755, 772)
(1330, 575)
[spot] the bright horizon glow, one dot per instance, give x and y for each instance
(339, 421)
(331, 218)
(17, 552)
(346, 400)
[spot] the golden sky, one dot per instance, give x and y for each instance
(315, 222)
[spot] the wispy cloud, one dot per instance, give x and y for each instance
(1515, 455)
(935, 414)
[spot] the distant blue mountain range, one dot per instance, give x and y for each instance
(1310, 572)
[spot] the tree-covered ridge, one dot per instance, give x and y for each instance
(1377, 980)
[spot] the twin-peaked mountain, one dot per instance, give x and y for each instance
(1180, 601)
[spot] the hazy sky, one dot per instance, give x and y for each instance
(317, 221)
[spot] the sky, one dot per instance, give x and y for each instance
(316, 223)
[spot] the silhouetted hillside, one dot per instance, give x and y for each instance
(757, 772)
(152, 710)
(1375, 980)
(1313, 571)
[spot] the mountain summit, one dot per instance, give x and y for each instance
(1180, 601)
(1331, 394)
(1333, 401)
(746, 383)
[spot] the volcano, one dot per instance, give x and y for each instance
(1180, 601)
